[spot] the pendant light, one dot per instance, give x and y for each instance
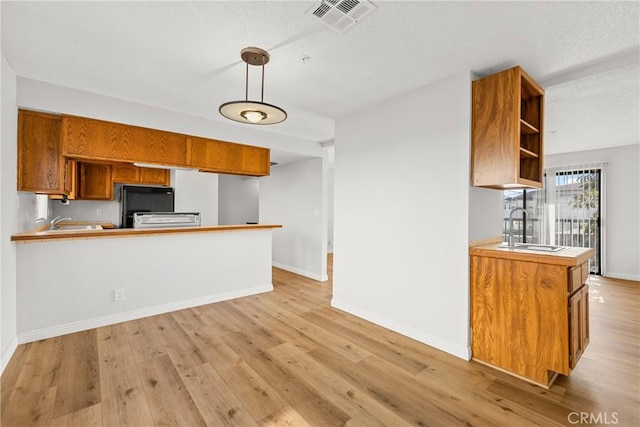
(253, 112)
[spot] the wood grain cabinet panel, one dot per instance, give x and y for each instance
(100, 140)
(256, 161)
(507, 129)
(578, 276)
(578, 324)
(71, 178)
(130, 174)
(94, 181)
(41, 167)
(210, 155)
(155, 176)
(523, 319)
(125, 173)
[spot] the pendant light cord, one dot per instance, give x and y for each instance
(262, 93)
(246, 84)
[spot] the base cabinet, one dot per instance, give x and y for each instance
(528, 318)
(578, 324)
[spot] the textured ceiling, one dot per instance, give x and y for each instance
(184, 56)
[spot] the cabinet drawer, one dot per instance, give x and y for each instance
(578, 276)
(585, 272)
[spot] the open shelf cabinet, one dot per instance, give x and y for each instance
(507, 134)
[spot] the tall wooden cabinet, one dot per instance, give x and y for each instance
(507, 131)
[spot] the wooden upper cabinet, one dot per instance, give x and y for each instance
(507, 129)
(41, 168)
(130, 174)
(125, 173)
(70, 178)
(94, 181)
(100, 140)
(155, 176)
(54, 151)
(256, 160)
(225, 157)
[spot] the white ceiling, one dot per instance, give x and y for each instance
(184, 56)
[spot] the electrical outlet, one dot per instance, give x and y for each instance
(98, 212)
(118, 295)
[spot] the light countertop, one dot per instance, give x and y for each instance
(43, 235)
(570, 256)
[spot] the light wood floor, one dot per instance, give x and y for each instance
(288, 358)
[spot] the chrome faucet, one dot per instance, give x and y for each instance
(524, 212)
(57, 220)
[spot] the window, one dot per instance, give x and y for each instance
(566, 212)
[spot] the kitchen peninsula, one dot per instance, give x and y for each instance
(67, 281)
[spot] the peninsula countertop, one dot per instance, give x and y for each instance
(569, 256)
(40, 235)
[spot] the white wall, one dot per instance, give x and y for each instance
(402, 224)
(238, 199)
(8, 213)
(485, 213)
(196, 192)
(294, 196)
(330, 196)
(622, 203)
(158, 273)
(86, 210)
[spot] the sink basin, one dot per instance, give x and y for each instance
(533, 247)
(63, 228)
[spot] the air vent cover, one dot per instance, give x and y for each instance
(341, 15)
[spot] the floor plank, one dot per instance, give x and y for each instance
(169, 400)
(123, 399)
(215, 399)
(78, 384)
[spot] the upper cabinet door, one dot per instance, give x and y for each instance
(40, 164)
(100, 140)
(210, 155)
(507, 129)
(94, 181)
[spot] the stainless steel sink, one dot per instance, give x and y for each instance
(533, 247)
(62, 228)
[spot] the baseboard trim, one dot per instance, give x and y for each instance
(301, 272)
(439, 343)
(112, 319)
(8, 353)
(623, 276)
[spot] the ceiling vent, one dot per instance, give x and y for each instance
(341, 15)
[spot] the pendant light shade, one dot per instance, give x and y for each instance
(253, 112)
